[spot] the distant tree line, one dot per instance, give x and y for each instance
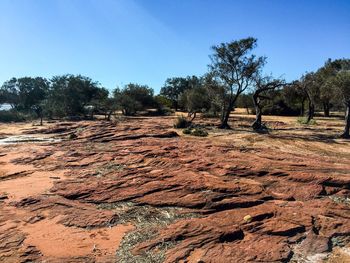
(71, 96)
(235, 79)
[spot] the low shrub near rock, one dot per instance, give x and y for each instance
(186, 131)
(181, 122)
(195, 132)
(303, 120)
(199, 132)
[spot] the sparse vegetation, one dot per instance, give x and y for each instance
(305, 121)
(181, 122)
(148, 221)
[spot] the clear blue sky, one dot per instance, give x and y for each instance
(145, 41)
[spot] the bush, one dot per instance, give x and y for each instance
(165, 111)
(210, 114)
(11, 116)
(182, 122)
(199, 132)
(303, 120)
(186, 131)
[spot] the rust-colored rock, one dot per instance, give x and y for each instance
(241, 197)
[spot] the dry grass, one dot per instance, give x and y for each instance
(147, 221)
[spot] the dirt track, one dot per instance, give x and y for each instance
(134, 191)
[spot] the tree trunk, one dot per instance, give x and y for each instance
(109, 115)
(346, 133)
(224, 120)
(257, 123)
(311, 112)
(41, 120)
(326, 109)
(302, 109)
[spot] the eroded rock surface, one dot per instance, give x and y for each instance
(264, 198)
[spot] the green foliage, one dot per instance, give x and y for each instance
(186, 131)
(196, 100)
(133, 98)
(25, 94)
(163, 101)
(69, 95)
(235, 68)
(175, 87)
(303, 120)
(11, 116)
(181, 122)
(199, 132)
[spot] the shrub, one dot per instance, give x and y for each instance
(210, 114)
(181, 122)
(11, 116)
(186, 131)
(303, 120)
(199, 132)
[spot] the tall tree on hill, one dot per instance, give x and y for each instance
(235, 68)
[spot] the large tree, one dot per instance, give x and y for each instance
(70, 94)
(235, 68)
(26, 94)
(133, 98)
(309, 85)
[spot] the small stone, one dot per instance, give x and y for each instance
(248, 218)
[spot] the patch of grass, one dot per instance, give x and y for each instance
(303, 120)
(110, 167)
(340, 199)
(147, 220)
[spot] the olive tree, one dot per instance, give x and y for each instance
(235, 68)
(262, 86)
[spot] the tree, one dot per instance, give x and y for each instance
(9, 93)
(174, 87)
(326, 75)
(235, 68)
(294, 97)
(196, 100)
(101, 103)
(263, 85)
(70, 95)
(216, 94)
(308, 84)
(133, 98)
(343, 84)
(26, 94)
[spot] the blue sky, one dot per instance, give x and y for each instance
(145, 41)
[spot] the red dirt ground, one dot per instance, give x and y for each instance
(139, 191)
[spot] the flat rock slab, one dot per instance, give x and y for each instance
(256, 200)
